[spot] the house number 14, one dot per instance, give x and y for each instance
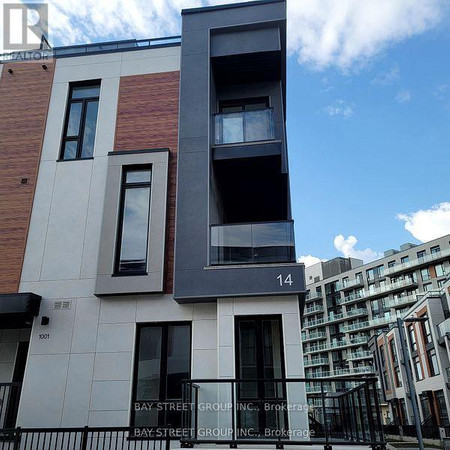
(287, 280)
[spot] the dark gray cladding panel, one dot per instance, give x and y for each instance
(257, 27)
(250, 13)
(245, 41)
(240, 281)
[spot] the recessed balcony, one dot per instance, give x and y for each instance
(253, 243)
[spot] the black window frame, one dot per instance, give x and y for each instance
(242, 103)
(163, 370)
(242, 399)
(80, 137)
(123, 188)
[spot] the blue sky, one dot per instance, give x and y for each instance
(368, 111)
(385, 151)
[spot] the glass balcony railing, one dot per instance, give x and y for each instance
(245, 126)
(417, 262)
(253, 243)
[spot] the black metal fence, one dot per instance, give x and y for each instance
(9, 404)
(276, 412)
(83, 439)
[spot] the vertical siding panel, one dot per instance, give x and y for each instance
(24, 98)
(147, 117)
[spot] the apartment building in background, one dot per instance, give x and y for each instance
(348, 302)
(146, 233)
(427, 343)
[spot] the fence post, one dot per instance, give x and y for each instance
(17, 436)
(84, 438)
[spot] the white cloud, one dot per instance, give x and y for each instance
(309, 260)
(389, 77)
(403, 97)
(345, 33)
(321, 33)
(441, 91)
(339, 108)
(428, 224)
(347, 248)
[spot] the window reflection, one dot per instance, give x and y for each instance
(90, 125)
(81, 121)
(134, 225)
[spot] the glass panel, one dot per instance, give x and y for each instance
(70, 150)
(73, 126)
(258, 125)
(149, 365)
(232, 128)
(273, 242)
(133, 250)
(138, 176)
(145, 418)
(90, 124)
(178, 359)
(85, 91)
(248, 359)
(272, 358)
(231, 244)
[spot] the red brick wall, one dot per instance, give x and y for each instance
(24, 98)
(147, 118)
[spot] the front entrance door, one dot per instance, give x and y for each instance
(163, 359)
(261, 405)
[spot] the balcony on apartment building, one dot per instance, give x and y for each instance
(417, 262)
(350, 284)
(342, 343)
(314, 336)
(316, 362)
(355, 356)
(311, 296)
(313, 310)
(332, 318)
(373, 323)
(378, 291)
(253, 243)
(343, 372)
(400, 302)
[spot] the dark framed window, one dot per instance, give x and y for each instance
(442, 407)
(244, 120)
(260, 356)
(425, 274)
(421, 254)
(247, 104)
(426, 330)
(418, 368)
(81, 120)
(393, 350)
(412, 338)
(163, 359)
(436, 249)
(134, 215)
(433, 362)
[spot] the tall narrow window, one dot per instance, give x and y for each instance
(132, 241)
(81, 121)
(163, 359)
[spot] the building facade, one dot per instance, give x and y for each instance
(146, 234)
(427, 346)
(348, 302)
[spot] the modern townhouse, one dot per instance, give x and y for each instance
(146, 234)
(428, 359)
(348, 302)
